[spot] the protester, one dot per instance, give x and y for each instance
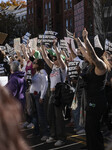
(17, 84)
(56, 120)
(10, 117)
(38, 90)
(95, 80)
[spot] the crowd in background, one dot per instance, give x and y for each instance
(32, 78)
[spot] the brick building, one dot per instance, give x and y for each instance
(59, 15)
(35, 16)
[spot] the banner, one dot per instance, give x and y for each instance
(2, 37)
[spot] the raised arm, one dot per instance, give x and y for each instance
(60, 60)
(24, 52)
(45, 56)
(100, 66)
(71, 50)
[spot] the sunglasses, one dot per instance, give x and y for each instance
(35, 63)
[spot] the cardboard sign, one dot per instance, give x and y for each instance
(3, 80)
(33, 43)
(2, 37)
(17, 44)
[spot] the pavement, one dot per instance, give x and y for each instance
(74, 141)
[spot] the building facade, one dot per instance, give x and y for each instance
(35, 16)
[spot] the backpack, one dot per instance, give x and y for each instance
(64, 93)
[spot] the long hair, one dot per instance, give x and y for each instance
(40, 63)
(10, 117)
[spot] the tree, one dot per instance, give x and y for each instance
(12, 3)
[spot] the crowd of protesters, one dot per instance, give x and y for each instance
(33, 75)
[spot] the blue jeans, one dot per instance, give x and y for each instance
(39, 117)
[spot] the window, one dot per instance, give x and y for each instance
(66, 23)
(45, 8)
(70, 3)
(49, 7)
(66, 4)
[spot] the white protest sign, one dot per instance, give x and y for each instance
(10, 49)
(72, 69)
(33, 43)
(69, 34)
(17, 44)
(48, 37)
(3, 80)
(97, 42)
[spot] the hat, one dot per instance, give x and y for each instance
(37, 55)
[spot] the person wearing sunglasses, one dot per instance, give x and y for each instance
(38, 90)
(55, 117)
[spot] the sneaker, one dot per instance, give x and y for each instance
(80, 131)
(44, 138)
(30, 126)
(50, 140)
(59, 143)
(32, 135)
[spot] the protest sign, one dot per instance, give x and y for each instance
(72, 69)
(2, 37)
(108, 45)
(17, 44)
(33, 43)
(3, 80)
(97, 42)
(9, 49)
(26, 38)
(69, 34)
(47, 38)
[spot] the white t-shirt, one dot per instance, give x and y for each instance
(36, 83)
(44, 84)
(55, 76)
